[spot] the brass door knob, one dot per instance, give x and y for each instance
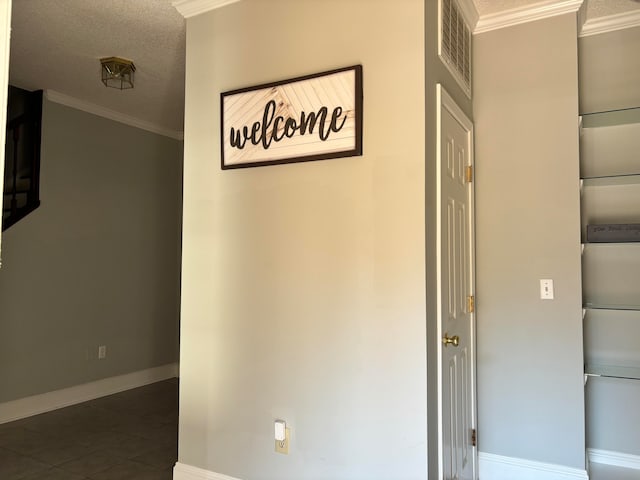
(447, 340)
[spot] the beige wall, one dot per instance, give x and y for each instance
(530, 362)
(304, 284)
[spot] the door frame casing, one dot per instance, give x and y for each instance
(5, 41)
(445, 101)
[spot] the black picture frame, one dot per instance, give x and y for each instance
(354, 150)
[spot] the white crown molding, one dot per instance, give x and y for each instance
(46, 402)
(498, 467)
(469, 12)
(516, 16)
(610, 23)
(615, 459)
(182, 471)
(94, 109)
(191, 8)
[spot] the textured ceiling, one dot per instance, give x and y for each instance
(57, 44)
(604, 8)
(595, 8)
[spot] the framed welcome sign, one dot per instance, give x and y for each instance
(302, 119)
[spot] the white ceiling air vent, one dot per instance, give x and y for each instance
(454, 45)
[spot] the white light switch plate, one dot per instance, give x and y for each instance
(546, 289)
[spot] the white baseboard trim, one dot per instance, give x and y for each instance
(497, 467)
(46, 402)
(186, 472)
(616, 459)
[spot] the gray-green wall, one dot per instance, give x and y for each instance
(530, 362)
(98, 263)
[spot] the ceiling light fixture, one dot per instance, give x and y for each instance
(117, 72)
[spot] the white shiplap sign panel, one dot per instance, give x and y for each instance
(302, 119)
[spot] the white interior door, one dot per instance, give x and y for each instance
(456, 269)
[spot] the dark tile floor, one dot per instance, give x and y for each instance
(130, 435)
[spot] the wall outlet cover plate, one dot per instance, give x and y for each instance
(283, 446)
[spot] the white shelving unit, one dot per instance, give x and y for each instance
(610, 194)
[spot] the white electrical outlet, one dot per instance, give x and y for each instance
(546, 289)
(102, 352)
